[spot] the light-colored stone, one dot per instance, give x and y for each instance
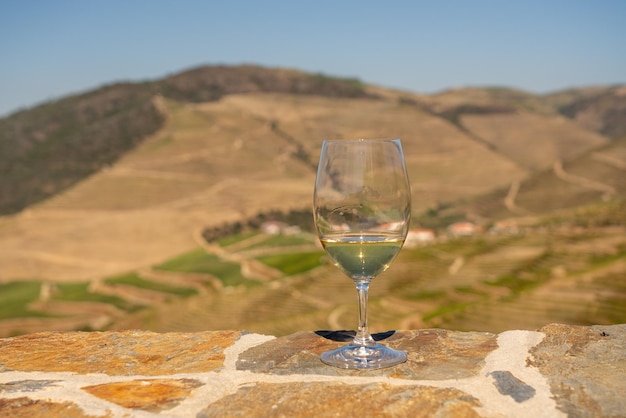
(560, 371)
(586, 368)
(342, 400)
(28, 408)
(432, 355)
(149, 394)
(117, 353)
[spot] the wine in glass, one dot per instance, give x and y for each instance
(362, 209)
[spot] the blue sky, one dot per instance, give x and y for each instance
(49, 49)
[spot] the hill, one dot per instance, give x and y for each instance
(150, 163)
(601, 109)
(566, 268)
(51, 147)
(103, 188)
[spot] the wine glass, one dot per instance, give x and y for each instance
(362, 209)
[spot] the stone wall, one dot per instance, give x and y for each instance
(556, 371)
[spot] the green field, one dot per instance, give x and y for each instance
(15, 297)
(199, 261)
(133, 279)
(294, 263)
(234, 239)
(282, 241)
(79, 292)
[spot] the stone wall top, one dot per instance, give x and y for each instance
(556, 371)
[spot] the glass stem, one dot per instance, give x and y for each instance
(363, 337)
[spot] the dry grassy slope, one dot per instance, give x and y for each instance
(599, 175)
(494, 97)
(211, 163)
(533, 141)
(601, 109)
(444, 164)
(224, 160)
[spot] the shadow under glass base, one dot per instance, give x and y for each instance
(353, 356)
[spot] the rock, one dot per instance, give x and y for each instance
(586, 368)
(432, 355)
(30, 408)
(508, 384)
(27, 386)
(342, 400)
(117, 353)
(560, 371)
(149, 394)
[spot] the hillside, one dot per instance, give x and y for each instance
(226, 160)
(101, 189)
(597, 176)
(566, 268)
(49, 148)
(601, 109)
(228, 142)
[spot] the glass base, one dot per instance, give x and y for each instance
(353, 356)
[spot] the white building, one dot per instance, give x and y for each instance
(419, 236)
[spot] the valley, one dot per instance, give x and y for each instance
(123, 247)
(561, 269)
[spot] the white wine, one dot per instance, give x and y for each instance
(362, 209)
(362, 257)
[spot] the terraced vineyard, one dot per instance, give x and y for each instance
(559, 270)
(548, 273)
